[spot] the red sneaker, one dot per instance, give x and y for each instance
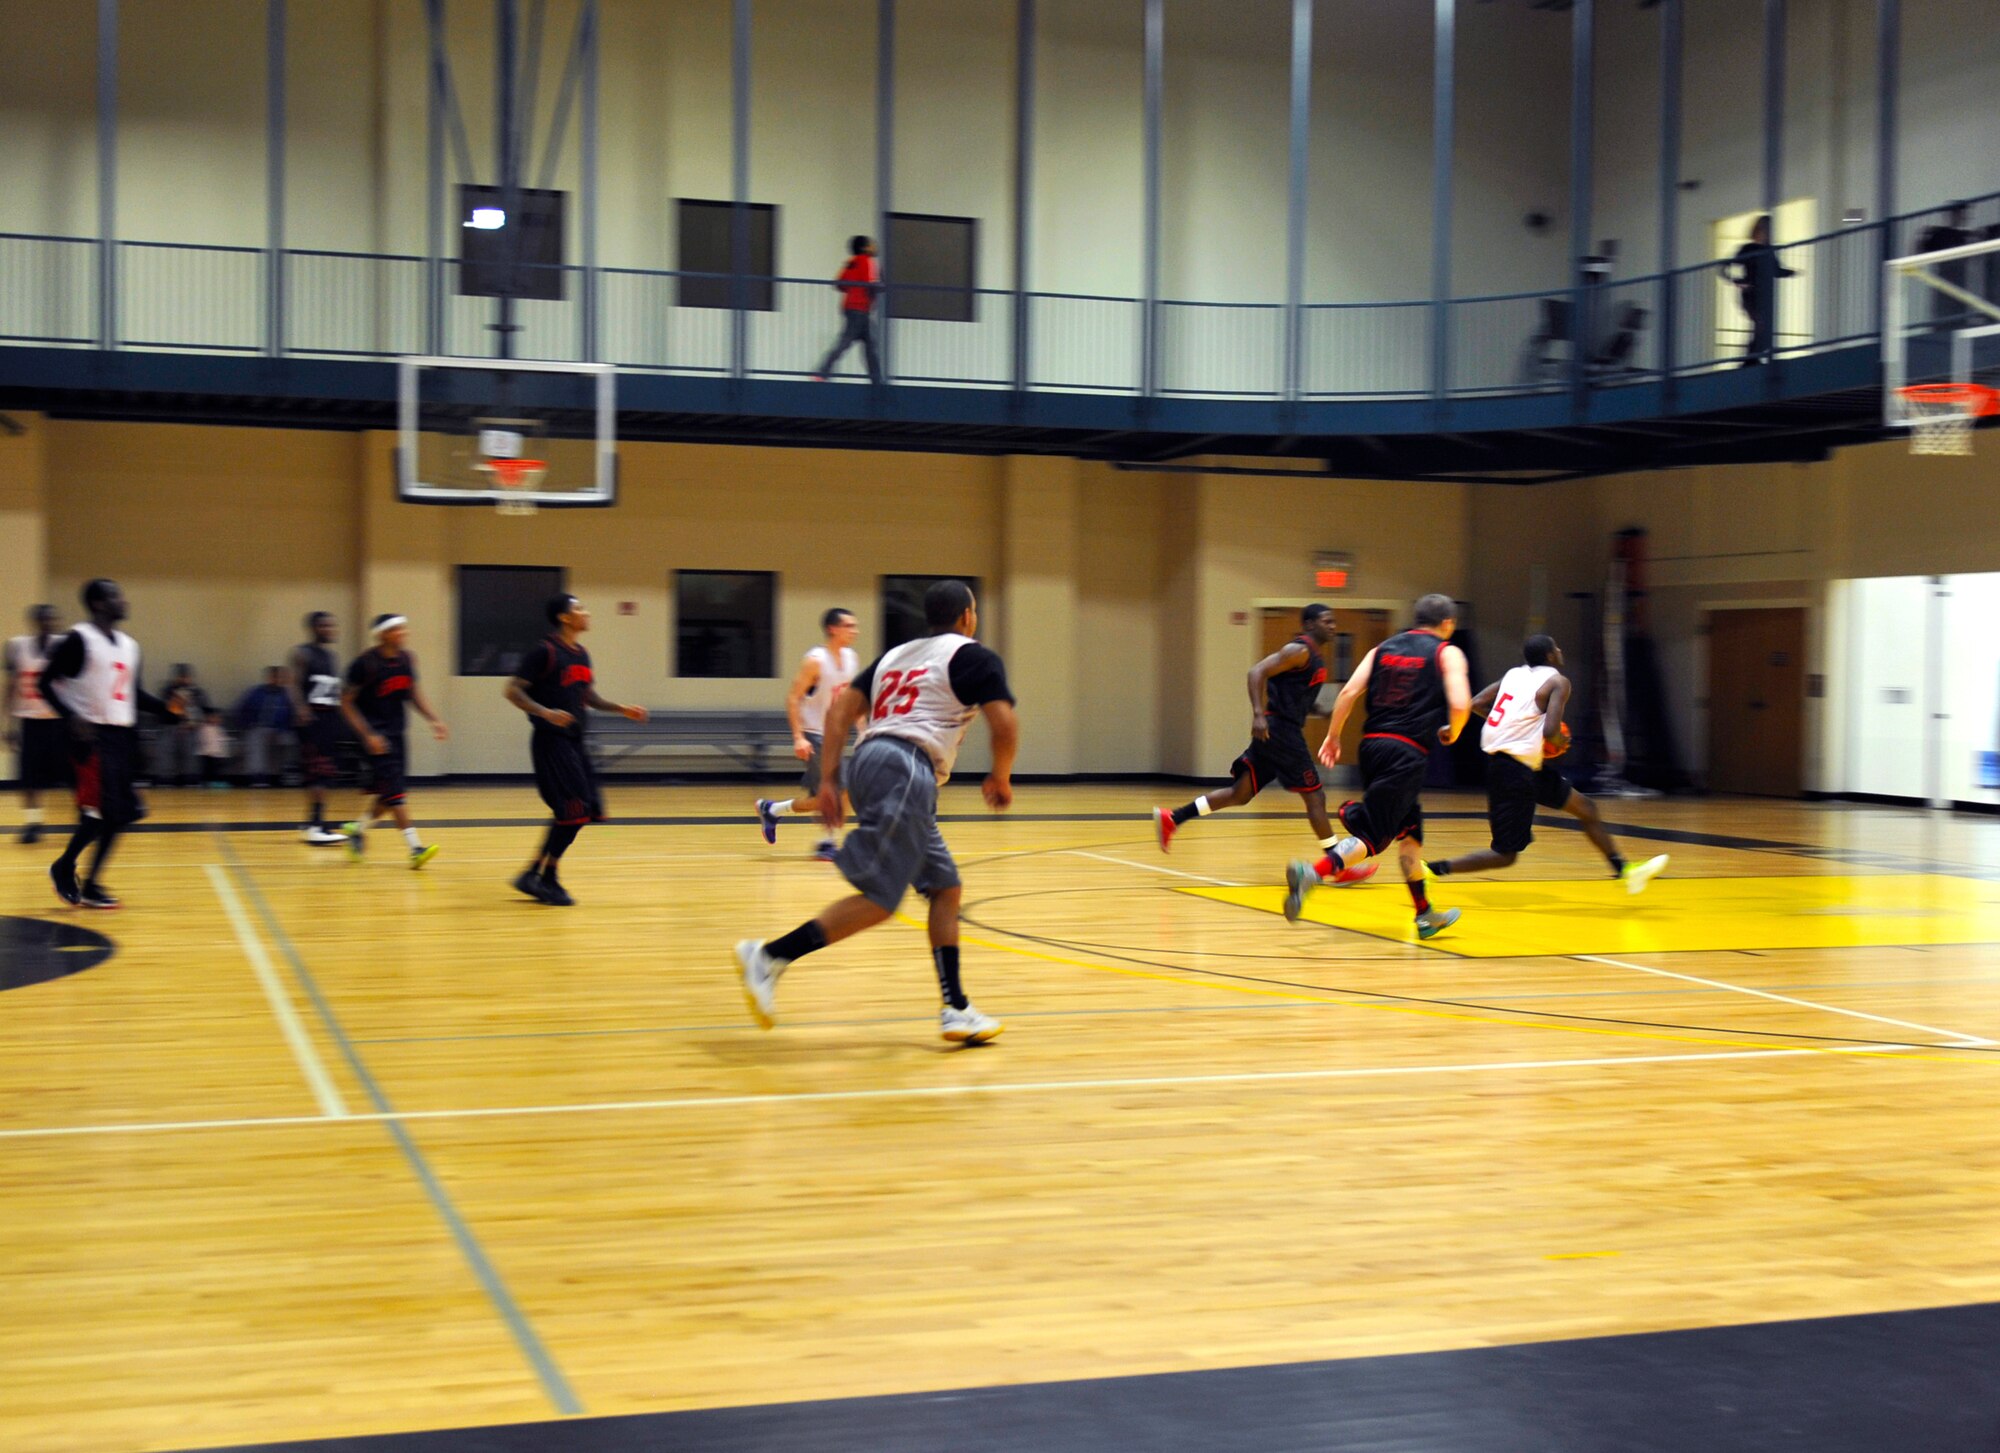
(1360, 873)
(1163, 820)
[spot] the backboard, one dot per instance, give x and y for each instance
(461, 421)
(1941, 324)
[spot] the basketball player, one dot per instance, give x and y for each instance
(1284, 688)
(917, 699)
(315, 688)
(556, 687)
(1524, 731)
(34, 730)
(821, 677)
(381, 686)
(92, 681)
(1417, 694)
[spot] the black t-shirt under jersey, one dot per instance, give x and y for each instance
(978, 676)
(558, 678)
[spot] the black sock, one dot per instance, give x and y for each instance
(1440, 869)
(1185, 814)
(318, 818)
(83, 837)
(107, 837)
(1617, 865)
(946, 959)
(1418, 896)
(807, 938)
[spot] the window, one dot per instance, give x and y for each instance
(501, 614)
(722, 622)
(932, 267)
(510, 257)
(705, 246)
(903, 605)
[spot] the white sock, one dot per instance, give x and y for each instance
(782, 809)
(410, 837)
(1201, 807)
(32, 816)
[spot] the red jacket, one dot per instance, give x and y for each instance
(855, 296)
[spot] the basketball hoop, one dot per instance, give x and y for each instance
(516, 478)
(1942, 415)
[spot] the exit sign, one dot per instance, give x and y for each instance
(1332, 569)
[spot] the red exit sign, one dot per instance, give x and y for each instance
(1332, 570)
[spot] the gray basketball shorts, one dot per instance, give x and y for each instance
(809, 782)
(895, 844)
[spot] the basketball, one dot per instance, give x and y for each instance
(1552, 750)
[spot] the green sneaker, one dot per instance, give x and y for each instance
(420, 856)
(357, 839)
(1435, 922)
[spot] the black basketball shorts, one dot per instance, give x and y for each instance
(1284, 759)
(1392, 787)
(107, 769)
(386, 774)
(566, 778)
(1513, 791)
(44, 756)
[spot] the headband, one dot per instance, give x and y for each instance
(387, 624)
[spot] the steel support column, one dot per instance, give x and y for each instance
(1295, 198)
(587, 220)
(1149, 316)
(1582, 129)
(274, 177)
(1774, 107)
(1444, 92)
(107, 173)
(1670, 189)
(885, 167)
(434, 185)
(1888, 101)
(739, 216)
(1024, 178)
(506, 134)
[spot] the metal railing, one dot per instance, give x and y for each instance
(323, 303)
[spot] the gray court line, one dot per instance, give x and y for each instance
(554, 1384)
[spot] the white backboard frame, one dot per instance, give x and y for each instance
(1898, 327)
(412, 490)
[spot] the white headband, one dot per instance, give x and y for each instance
(382, 628)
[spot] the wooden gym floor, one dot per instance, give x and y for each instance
(323, 1149)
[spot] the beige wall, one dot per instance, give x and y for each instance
(1116, 596)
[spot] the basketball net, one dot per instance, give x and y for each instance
(516, 479)
(1942, 415)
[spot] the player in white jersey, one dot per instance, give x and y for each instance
(92, 680)
(821, 677)
(34, 731)
(1524, 732)
(915, 703)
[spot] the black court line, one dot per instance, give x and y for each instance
(554, 1385)
(1923, 1381)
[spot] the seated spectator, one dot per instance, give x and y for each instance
(265, 718)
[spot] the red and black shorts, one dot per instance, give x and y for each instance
(1392, 788)
(386, 773)
(106, 770)
(566, 779)
(1284, 759)
(319, 747)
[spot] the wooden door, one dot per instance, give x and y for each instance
(1756, 701)
(1361, 631)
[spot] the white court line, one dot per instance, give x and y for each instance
(939, 1092)
(323, 1088)
(1963, 1038)
(1152, 868)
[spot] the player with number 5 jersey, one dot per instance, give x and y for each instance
(1524, 734)
(914, 705)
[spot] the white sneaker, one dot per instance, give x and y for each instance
(321, 836)
(760, 980)
(1638, 875)
(968, 1025)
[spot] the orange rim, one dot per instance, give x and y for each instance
(1974, 398)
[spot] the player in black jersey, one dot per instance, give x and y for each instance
(316, 704)
(1418, 693)
(1284, 691)
(555, 686)
(381, 686)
